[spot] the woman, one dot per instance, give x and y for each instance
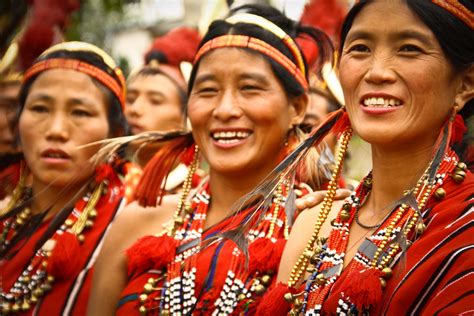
(246, 93)
(156, 98)
(402, 243)
(54, 223)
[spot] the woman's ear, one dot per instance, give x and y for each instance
(298, 106)
(466, 90)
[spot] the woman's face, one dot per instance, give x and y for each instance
(153, 104)
(398, 85)
(240, 113)
(64, 109)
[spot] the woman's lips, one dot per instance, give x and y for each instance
(55, 156)
(230, 138)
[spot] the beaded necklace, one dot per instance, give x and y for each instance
(48, 263)
(372, 262)
(173, 291)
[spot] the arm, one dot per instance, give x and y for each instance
(110, 271)
(300, 234)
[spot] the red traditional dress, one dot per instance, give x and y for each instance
(178, 275)
(53, 277)
(433, 276)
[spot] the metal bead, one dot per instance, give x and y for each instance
(333, 221)
(81, 238)
(346, 207)
(89, 223)
(165, 313)
(69, 222)
(320, 279)
(6, 308)
(260, 289)
(368, 183)
(317, 250)
(420, 228)
(383, 283)
(439, 194)
(179, 220)
(266, 280)
(461, 166)
(308, 254)
(34, 299)
(241, 297)
(188, 209)
(311, 269)
(38, 292)
(148, 288)
(294, 312)
(298, 303)
(93, 214)
(19, 221)
(344, 215)
(387, 272)
(25, 306)
(50, 279)
(143, 298)
(142, 310)
(289, 297)
(459, 176)
(15, 308)
(322, 240)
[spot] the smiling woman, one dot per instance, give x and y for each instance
(246, 93)
(402, 243)
(63, 204)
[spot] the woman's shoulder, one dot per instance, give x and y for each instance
(138, 221)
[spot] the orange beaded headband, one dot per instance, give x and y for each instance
(273, 28)
(457, 9)
(258, 45)
(83, 67)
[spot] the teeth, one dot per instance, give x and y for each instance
(230, 136)
(381, 102)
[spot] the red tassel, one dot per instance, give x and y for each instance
(265, 255)
(273, 302)
(188, 155)
(364, 288)
(102, 172)
(64, 259)
(150, 252)
(342, 124)
(150, 190)
(458, 129)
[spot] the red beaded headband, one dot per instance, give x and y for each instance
(457, 9)
(258, 45)
(96, 73)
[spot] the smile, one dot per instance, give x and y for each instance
(229, 137)
(381, 102)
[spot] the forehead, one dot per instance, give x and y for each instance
(381, 17)
(234, 60)
(152, 82)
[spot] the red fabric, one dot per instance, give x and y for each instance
(204, 258)
(53, 302)
(451, 282)
(9, 178)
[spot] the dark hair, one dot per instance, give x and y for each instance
(292, 28)
(455, 38)
(154, 71)
(115, 116)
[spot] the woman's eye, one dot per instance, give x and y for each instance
(359, 48)
(410, 48)
(39, 108)
(250, 88)
(81, 113)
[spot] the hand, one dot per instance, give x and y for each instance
(314, 198)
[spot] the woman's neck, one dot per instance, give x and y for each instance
(47, 196)
(393, 172)
(226, 190)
